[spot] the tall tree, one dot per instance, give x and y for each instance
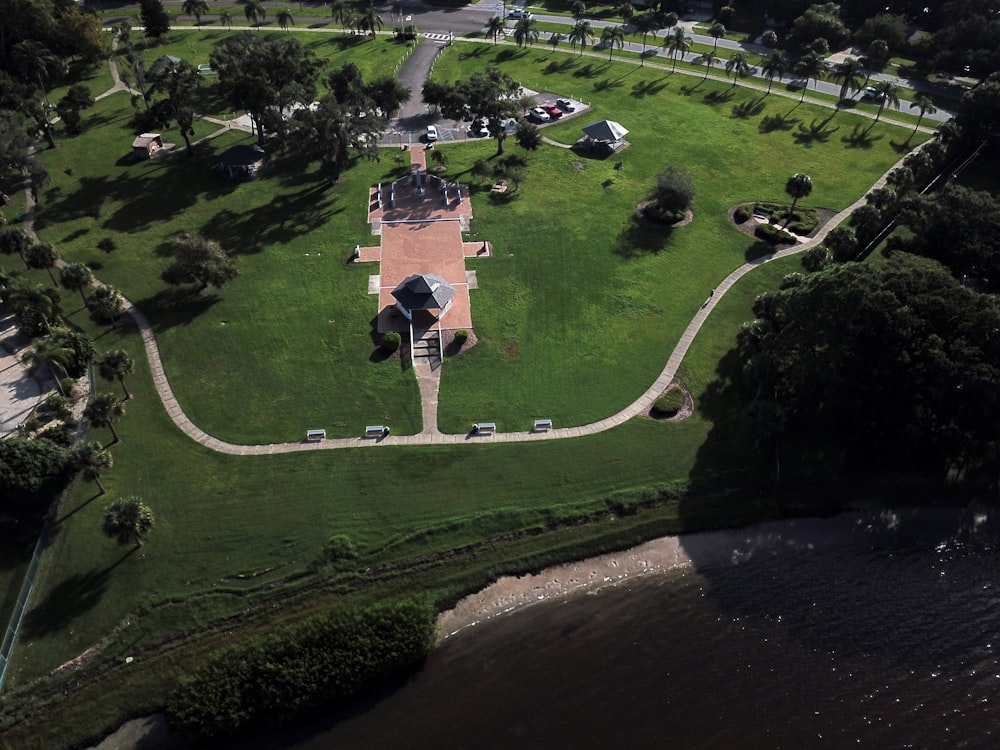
(812, 67)
(495, 27)
(716, 31)
(528, 136)
(154, 17)
(41, 255)
(51, 353)
(887, 92)
(371, 21)
(226, 17)
(106, 303)
(115, 365)
(926, 106)
(36, 64)
(92, 460)
(198, 261)
(679, 43)
(178, 82)
(773, 67)
(611, 37)
(255, 12)
(104, 411)
(196, 8)
(490, 95)
(798, 186)
(646, 23)
(128, 520)
(36, 309)
(739, 65)
(709, 59)
(578, 9)
(76, 277)
(625, 10)
(581, 34)
(526, 32)
(285, 19)
(849, 73)
(77, 99)
(14, 240)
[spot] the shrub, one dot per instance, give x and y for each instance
(673, 193)
(670, 402)
(68, 386)
(339, 548)
(816, 259)
(58, 406)
(392, 341)
(774, 235)
(792, 280)
(461, 336)
(274, 677)
(743, 213)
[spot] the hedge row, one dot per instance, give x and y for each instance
(326, 658)
(773, 234)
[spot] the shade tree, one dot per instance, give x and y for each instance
(105, 410)
(199, 261)
(490, 95)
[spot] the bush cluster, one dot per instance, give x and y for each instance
(272, 678)
(774, 234)
(743, 213)
(392, 341)
(461, 336)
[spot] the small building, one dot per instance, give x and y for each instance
(242, 162)
(147, 145)
(605, 136)
(425, 292)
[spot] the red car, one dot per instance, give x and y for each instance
(552, 111)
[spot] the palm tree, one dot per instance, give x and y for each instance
(115, 365)
(106, 303)
(35, 62)
(625, 10)
(926, 106)
(738, 65)
(578, 8)
(226, 17)
(255, 12)
(76, 277)
(887, 92)
(773, 67)
(812, 67)
(127, 520)
(798, 186)
(105, 411)
(717, 31)
(34, 307)
(612, 36)
(668, 20)
(526, 32)
(494, 27)
(371, 20)
(679, 43)
(645, 24)
(15, 240)
(195, 8)
(581, 34)
(849, 73)
(709, 59)
(338, 10)
(285, 19)
(42, 255)
(769, 39)
(92, 460)
(52, 353)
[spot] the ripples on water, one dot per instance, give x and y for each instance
(864, 631)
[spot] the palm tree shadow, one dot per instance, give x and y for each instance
(746, 110)
(718, 97)
(860, 138)
(80, 507)
(814, 133)
(770, 123)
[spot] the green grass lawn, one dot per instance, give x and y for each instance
(576, 314)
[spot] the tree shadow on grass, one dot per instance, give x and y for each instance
(746, 110)
(641, 238)
(648, 88)
(860, 137)
(608, 84)
(718, 97)
(562, 66)
(902, 147)
(591, 71)
(815, 132)
(758, 250)
(74, 595)
(506, 55)
(770, 123)
(172, 307)
(689, 90)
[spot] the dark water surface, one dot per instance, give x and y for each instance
(863, 631)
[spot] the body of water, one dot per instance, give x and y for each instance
(864, 631)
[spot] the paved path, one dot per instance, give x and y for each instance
(20, 391)
(428, 382)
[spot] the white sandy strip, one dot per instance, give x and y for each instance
(510, 593)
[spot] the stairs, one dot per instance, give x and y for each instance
(425, 348)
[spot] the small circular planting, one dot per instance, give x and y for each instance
(461, 336)
(669, 403)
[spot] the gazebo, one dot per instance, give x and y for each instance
(242, 162)
(147, 145)
(424, 292)
(604, 135)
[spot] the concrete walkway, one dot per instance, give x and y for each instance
(428, 382)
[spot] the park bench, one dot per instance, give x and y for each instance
(484, 428)
(542, 425)
(315, 436)
(376, 430)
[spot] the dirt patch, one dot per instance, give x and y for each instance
(578, 164)
(641, 214)
(686, 410)
(510, 350)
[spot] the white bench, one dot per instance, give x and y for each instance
(376, 430)
(484, 428)
(542, 425)
(315, 436)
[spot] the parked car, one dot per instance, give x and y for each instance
(650, 52)
(871, 93)
(539, 115)
(565, 105)
(518, 13)
(552, 111)
(432, 133)
(479, 128)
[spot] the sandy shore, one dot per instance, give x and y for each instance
(510, 593)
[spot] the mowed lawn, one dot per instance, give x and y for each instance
(576, 314)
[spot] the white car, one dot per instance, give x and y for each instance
(871, 93)
(432, 133)
(480, 128)
(518, 13)
(539, 114)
